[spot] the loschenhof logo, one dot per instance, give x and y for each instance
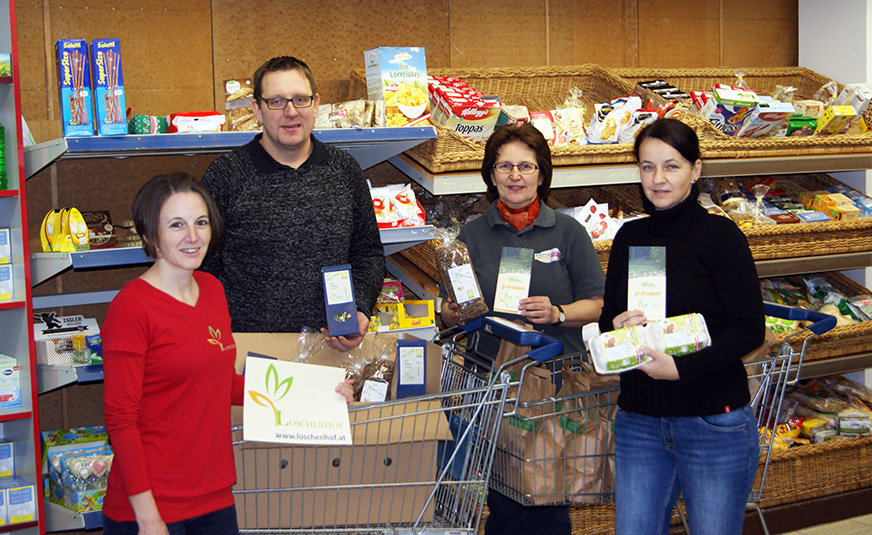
(215, 338)
(276, 390)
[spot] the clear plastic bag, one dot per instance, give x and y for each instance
(458, 275)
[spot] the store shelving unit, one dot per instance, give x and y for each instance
(369, 146)
(16, 335)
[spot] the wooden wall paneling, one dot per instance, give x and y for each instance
(330, 36)
(755, 38)
(165, 46)
(604, 32)
(498, 34)
(683, 34)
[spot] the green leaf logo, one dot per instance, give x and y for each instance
(276, 390)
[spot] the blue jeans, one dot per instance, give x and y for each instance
(711, 460)
(220, 522)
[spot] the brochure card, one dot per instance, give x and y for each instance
(646, 288)
(513, 281)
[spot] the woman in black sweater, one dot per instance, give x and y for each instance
(683, 424)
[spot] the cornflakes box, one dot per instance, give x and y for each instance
(397, 75)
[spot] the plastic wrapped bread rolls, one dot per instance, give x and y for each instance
(458, 276)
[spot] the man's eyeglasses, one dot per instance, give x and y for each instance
(279, 103)
(505, 168)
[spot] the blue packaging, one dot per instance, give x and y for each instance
(411, 367)
(108, 87)
(74, 75)
(339, 300)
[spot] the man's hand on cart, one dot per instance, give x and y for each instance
(660, 366)
(346, 388)
(346, 343)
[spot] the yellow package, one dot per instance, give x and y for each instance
(73, 232)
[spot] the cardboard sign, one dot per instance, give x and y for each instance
(294, 403)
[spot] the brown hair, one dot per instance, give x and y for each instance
(280, 64)
(151, 197)
(528, 135)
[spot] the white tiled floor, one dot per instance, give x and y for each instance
(861, 525)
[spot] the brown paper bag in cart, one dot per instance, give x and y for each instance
(587, 425)
(530, 439)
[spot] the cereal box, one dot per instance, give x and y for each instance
(457, 106)
(769, 115)
(834, 120)
(75, 91)
(20, 499)
(108, 87)
(397, 75)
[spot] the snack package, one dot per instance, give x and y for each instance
(238, 96)
(196, 121)
(638, 120)
(516, 115)
(834, 120)
(561, 126)
(610, 117)
(809, 108)
(801, 125)
(455, 268)
(769, 116)
(828, 93)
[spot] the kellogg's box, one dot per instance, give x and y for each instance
(455, 105)
(397, 75)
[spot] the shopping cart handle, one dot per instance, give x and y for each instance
(544, 347)
(822, 322)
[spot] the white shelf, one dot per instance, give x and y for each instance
(369, 146)
(50, 377)
(58, 518)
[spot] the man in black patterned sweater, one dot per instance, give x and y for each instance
(291, 205)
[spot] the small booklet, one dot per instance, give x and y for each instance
(513, 281)
(646, 285)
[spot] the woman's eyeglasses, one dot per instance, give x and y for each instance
(505, 168)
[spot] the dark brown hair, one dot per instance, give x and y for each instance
(674, 133)
(151, 197)
(280, 64)
(528, 135)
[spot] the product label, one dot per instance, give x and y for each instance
(411, 365)
(646, 286)
(513, 281)
(338, 287)
(463, 281)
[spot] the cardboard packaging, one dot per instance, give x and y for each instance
(397, 75)
(5, 248)
(74, 74)
(766, 118)
(54, 344)
(19, 496)
(835, 119)
(380, 473)
(10, 387)
(7, 459)
(108, 87)
(381, 469)
(7, 282)
(339, 300)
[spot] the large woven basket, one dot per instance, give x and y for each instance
(833, 343)
(815, 470)
(715, 144)
(538, 88)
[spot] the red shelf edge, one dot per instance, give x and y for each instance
(10, 305)
(12, 416)
(9, 193)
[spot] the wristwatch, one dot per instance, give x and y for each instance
(561, 316)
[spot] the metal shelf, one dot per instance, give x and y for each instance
(831, 366)
(469, 181)
(369, 146)
(59, 518)
(44, 266)
(811, 264)
(52, 376)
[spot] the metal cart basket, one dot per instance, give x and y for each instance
(418, 465)
(576, 465)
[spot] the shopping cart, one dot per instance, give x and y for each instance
(418, 465)
(552, 450)
(775, 374)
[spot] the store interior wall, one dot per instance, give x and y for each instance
(177, 53)
(840, 47)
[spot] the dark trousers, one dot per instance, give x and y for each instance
(220, 522)
(508, 517)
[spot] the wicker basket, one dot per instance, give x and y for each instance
(715, 144)
(834, 343)
(538, 88)
(815, 470)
